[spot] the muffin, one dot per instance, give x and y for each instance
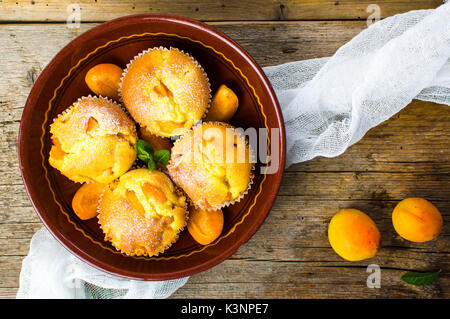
(93, 140)
(211, 163)
(165, 91)
(142, 213)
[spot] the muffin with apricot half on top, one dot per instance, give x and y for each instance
(166, 91)
(212, 164)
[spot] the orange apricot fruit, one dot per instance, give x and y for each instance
(151, 191)
(86, 199)
(205, 226)
(104, 79)
(223, 105)
(353, 235)
(56, 152)
(416, 219)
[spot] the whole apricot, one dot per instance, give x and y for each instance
(104, 79)
(205, 226)
(223, 105)
(353, 235)
(86, 200)
(416, 219)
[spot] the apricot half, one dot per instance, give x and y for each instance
(205, 226)
(104, 79)
(223, 105)
(86, 199)
(353, 235)
(416, 219)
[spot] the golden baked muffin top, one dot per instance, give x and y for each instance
(93, 140)
(211, 163)
(142, 213)
(166, 91)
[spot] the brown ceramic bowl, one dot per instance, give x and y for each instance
(62, 82)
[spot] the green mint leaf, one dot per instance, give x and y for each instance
(151, 164)
(144, 150)
(144, 157)
(421, 278)
(162, 156)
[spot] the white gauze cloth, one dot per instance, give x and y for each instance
(328, 104)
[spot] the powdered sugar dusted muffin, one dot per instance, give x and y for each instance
(211, 163)
(142, 213)
(166, 91)
(93, 140)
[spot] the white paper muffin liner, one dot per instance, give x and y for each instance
(167, 49)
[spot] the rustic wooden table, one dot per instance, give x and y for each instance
(289, 257)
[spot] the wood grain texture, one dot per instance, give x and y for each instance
(289, 256)
(209, 10)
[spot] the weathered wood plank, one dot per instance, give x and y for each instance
(366, 186)
(210, 10)
(282, 279)
(8, 292)
(305, 280)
